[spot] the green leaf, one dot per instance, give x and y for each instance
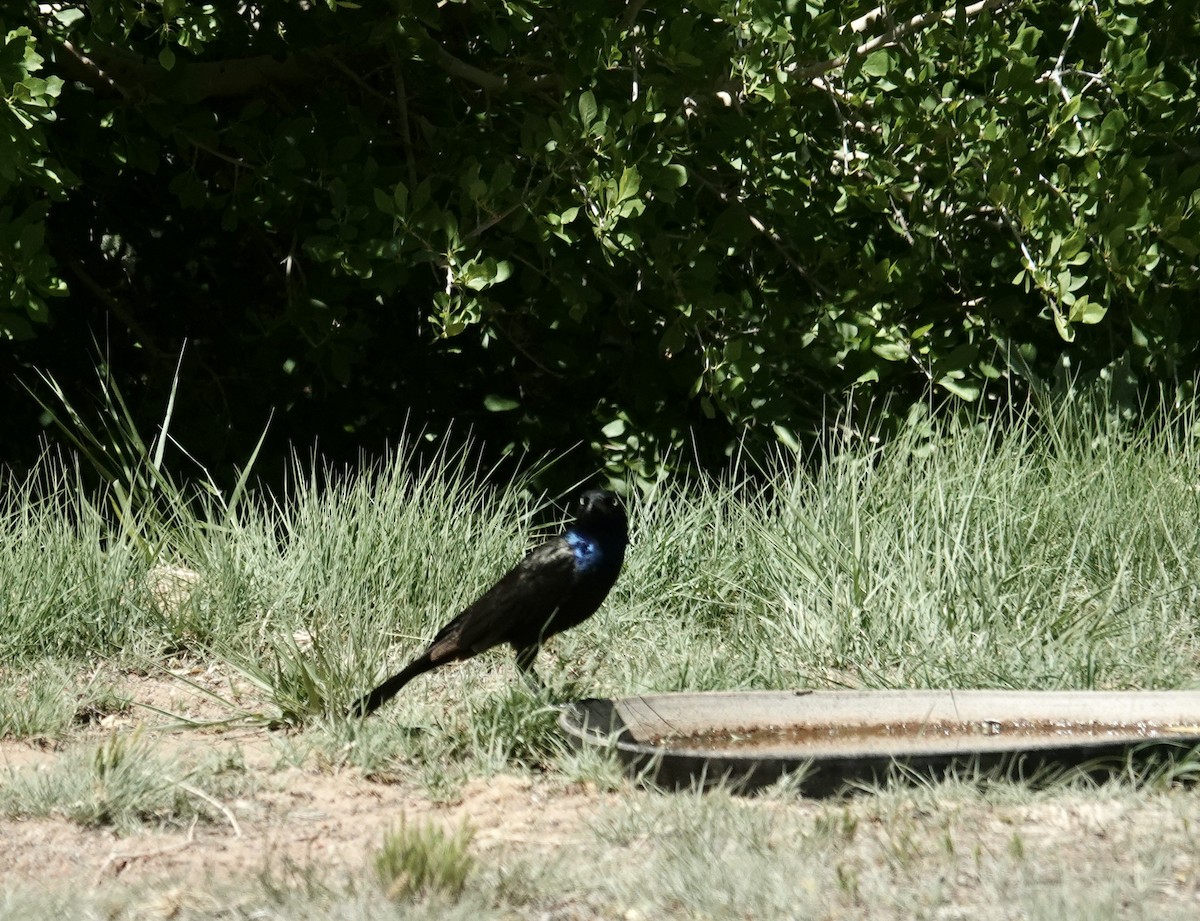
(964, 389)
(629, 184)
(890, 351)
(587, 107)
(383, 201)
(69, 16)
(878, 64)
(1111, 129)
(787, 437)
(1065, 331)
(673, 340)
(1186, 245)
(1087, 311)
(494, 403)
(673, 177)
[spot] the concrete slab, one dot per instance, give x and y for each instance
(842, 737)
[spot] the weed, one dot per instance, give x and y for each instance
(421, 860)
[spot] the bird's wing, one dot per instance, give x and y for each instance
(525, 596)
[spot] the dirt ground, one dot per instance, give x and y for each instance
(1143, 847)
(306, 816)
(302, 817)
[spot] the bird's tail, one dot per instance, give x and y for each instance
(375, 699)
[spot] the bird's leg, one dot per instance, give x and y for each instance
(525, 659)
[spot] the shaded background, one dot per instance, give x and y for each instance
(650, 237)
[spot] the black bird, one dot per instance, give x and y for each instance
(557, 585)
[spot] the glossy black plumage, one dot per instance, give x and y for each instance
(558, 585)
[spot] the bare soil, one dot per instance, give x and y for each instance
(980, 857)
(313, 815)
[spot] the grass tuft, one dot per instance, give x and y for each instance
(119, 782)
(424, 860)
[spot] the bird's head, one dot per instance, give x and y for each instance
(600, 509)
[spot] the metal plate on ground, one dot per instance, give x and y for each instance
(835, 738)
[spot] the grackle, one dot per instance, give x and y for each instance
(557, 585)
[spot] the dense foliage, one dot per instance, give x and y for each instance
(635, 226)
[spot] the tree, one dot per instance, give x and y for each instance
(634, 227)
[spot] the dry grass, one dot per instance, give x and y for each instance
(277, 828)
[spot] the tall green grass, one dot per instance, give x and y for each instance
(1039, 554)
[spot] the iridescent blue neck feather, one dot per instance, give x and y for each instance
(588, 552)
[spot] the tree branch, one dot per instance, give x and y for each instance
(486, 80)
(630, 14)
(116, 308)
(775, 239)
(402, 106)
(464, 71)
(108, 68)
(894, 34)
